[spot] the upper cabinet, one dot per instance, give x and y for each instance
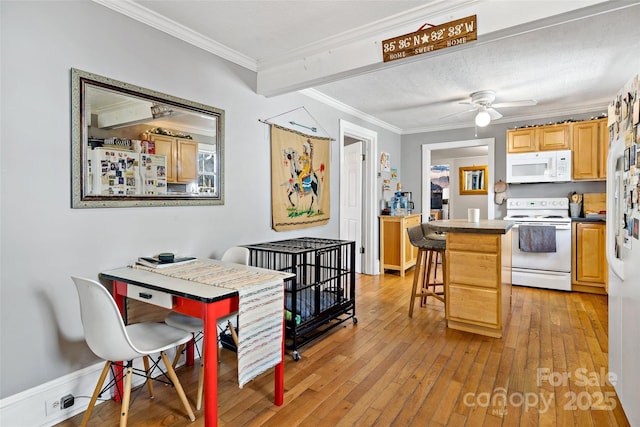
(588, 140)
(521, 140)
(541, 138)
(182, 157)
(590, 149)
(554, 137)
(603, 151)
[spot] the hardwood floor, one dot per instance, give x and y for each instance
(549, 370)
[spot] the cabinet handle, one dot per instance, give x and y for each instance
(145, 295)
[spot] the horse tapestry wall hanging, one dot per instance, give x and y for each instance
(300, 190)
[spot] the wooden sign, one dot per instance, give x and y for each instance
(452, 33)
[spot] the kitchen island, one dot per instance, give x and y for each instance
(477, 275)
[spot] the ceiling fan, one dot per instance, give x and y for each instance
(482, 102)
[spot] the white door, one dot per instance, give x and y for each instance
(352, 202)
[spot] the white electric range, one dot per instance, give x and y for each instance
(541, 268)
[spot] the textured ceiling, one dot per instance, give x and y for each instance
(562, 68)
(572, 62)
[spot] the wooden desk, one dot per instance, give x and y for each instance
(194, 299)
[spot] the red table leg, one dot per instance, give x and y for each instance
(119, 290)
(210, 366)
(278, 398)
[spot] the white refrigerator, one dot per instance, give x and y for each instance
(114, 172)
(623, 249)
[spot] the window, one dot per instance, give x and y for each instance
(439, 182)
(207, 172)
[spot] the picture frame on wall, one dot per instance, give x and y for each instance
(385, 162)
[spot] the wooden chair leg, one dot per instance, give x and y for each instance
(439, 295)
(425, 284)
(200, 382)
(149, 381)
(418, 272)
(435, 270)
(176, 383)
(234, 335)
(126, 397)
(96, 392)
(177, 356)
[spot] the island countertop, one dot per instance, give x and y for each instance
(485, 226)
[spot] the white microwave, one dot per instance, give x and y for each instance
(539, 166)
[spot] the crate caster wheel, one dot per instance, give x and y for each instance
(296, 355)
(355, 320)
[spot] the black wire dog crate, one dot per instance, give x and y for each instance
(321, 296)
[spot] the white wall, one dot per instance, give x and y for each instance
(459, 204)
(44, 241)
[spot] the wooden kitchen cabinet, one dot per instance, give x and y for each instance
(540, 138)
(589, 262)
(603, 147)
(521, 140)
(554, 137)
(590, 149)
(396, 251)
(182, 157)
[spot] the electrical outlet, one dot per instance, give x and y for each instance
(55, 405)
(52, 406)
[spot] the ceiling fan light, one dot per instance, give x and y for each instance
(483, 118)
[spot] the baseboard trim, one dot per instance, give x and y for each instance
(29, 407)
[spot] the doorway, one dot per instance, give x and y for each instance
(457, 145)
(364, 182)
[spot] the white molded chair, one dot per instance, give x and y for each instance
(109, 338)
(194, 325)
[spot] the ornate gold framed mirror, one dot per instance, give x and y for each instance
(473, 180)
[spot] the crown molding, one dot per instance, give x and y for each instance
(331, 102)
(175, 29)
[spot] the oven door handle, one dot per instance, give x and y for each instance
(538, 224)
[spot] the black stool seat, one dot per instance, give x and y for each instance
(429, 244)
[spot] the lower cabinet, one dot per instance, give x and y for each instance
(396, 251)
(589, 261)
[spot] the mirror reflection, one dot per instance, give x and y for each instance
(137, 147)
(473, 180)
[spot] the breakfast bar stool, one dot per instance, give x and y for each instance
(428, 245)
